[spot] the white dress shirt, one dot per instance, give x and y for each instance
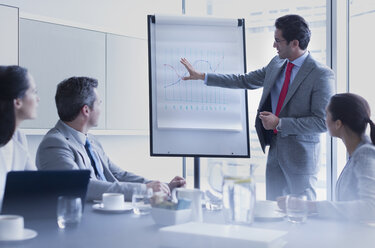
(20, 159)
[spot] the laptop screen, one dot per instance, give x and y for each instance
(33, 194)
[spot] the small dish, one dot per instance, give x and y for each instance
(267, 211)
(127, 207)
(272, 216)
(27, 234)
(308, 215)
(167, 217)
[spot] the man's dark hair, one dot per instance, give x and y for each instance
(13, 84)
(294, 27)
(74, 93)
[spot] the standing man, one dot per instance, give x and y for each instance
(68, 146)
(291, 112)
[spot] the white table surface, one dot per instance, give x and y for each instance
(107, 230)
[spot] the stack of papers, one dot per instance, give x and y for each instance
(195, 234)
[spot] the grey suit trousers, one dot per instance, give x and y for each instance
(283, 180)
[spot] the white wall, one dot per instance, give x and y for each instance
(124, 17)
(9, 35)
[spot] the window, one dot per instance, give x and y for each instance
(362, 14)
(260, 18)
(354, 65)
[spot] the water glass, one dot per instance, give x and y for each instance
(296, 208)
(213, 202)
(214, 194)
(69, 211)
(141, 201)
(238, 193)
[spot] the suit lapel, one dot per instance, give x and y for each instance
(268, 84)
(73, 142)
(272, 80)
(305, 70)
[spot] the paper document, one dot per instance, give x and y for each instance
(194, 234)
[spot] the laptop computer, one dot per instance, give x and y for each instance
(33, 194)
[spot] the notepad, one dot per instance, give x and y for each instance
(194, 234)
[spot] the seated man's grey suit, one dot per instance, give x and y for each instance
(62, 148)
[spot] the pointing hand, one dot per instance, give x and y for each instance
(193, 74)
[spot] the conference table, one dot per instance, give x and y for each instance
(110, 230)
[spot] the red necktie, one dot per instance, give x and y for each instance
(284, 90)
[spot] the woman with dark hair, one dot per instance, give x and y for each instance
(18, 102)
(347, 118)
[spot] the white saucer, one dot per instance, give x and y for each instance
(126, 208)
(271, 216)
(308, 215)
(267, 211)
(27, 234)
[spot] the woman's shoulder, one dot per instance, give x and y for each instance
(367, 149)
(19, 136)
(365, 154)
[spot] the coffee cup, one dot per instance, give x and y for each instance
(11, 227)
(113, 201)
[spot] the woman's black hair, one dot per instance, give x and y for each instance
(13, 84)
(354, 112)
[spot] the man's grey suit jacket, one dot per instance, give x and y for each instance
(302, 114)
(59, 150)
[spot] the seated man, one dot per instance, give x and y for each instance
(68, 146)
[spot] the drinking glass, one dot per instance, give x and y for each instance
(141, 201)
(214, 194)
(296, 208)
(238, 193)
(69, 211)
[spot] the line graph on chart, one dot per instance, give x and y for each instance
(176, 89)
(191, 103)
(195, 65)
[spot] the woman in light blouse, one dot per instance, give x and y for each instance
(348, 116)
(18, 102)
